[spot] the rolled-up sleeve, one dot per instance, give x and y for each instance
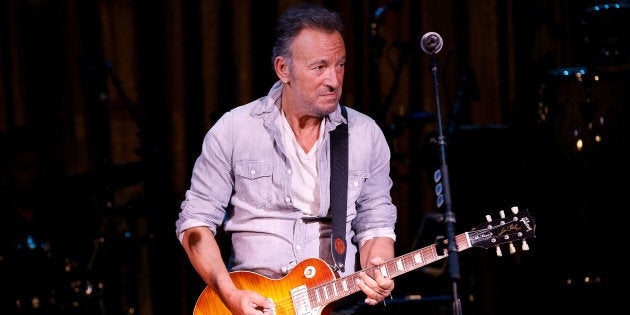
(375, 213)
(211, 183)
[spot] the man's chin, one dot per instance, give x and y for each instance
(328, 108)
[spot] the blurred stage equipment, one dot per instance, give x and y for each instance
(605, 32)
(581, 109)
(114, 279)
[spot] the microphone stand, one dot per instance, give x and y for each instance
(449, 216)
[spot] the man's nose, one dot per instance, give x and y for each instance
(333, 77)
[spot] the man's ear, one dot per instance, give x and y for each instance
(282, 69)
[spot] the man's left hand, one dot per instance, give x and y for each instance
(377, 288)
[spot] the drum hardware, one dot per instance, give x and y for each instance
(579, 107)
(604, 30)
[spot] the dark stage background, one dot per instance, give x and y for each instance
(108, 101)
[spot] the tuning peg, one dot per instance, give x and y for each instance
(512, 248)
(489, 219)
(525, 246)
(499, 252)
(514, 209)
(502, 215)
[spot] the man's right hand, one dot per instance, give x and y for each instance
(245, 302)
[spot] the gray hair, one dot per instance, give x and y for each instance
(296, 19)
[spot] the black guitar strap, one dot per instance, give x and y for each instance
(339, 190)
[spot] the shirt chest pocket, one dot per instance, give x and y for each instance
(253, 182)
(356, 179)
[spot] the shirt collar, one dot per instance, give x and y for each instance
(272, 101)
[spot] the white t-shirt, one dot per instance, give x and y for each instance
(304, 186)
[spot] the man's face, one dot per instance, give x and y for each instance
(316, 72)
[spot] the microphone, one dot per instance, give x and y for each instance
(431, 43)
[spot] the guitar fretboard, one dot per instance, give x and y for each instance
(332, 291)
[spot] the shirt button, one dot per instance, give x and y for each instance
(355, 184)
(287, 199)
(289, 172)
(253, 172)
(298, 247)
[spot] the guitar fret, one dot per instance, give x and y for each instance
(392, 268)
(353, 283)
(384, 270)
(413, 260)
(426, 257)
(400, 265)
(417, 258)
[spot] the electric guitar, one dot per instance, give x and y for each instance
(312, 287)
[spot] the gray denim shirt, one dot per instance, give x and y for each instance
(242, 179)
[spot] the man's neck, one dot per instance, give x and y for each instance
(305, 128)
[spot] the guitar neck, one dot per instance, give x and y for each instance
(419, 258)
(344, 286)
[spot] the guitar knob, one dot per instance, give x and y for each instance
(499, 252)
(525, 246)
(512, 248)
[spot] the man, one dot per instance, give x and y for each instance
(264, 175)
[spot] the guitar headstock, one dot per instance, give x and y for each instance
(518, 226)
